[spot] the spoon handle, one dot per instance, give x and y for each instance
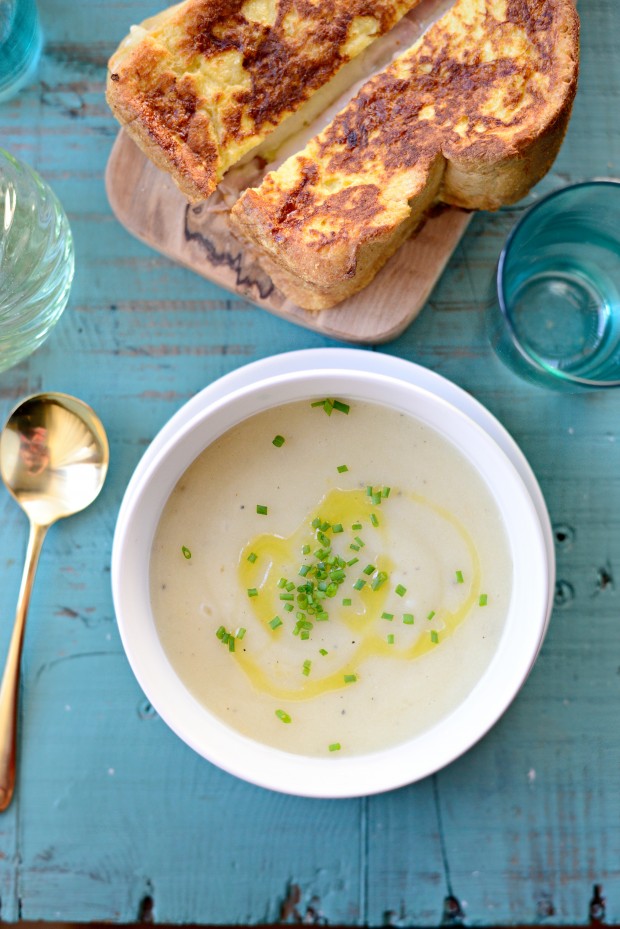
(9, 689)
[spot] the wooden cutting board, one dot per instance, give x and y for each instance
(149, 205)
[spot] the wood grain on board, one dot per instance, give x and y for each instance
(149, 205)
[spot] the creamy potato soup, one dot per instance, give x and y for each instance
(330, 584)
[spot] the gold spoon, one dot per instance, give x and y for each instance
(53, 459)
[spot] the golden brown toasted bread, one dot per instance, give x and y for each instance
(204, 82)
(472, 115)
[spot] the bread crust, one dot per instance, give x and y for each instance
(473, 116)
(202, 83)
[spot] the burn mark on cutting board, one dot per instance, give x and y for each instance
(211, 234)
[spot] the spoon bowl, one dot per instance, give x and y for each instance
(53, 460)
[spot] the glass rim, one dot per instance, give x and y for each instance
(531, 358)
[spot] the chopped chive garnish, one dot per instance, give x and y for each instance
(252, 592)
(359, 541)
(483, 600)
(337, 527)
(459, 577)
(350, 678)
(305, 550)
(322, 651)
(408, 619)
(390, 639)
(278, 441)
(369, 491)
(386, 492)
(373, 519)
(252, 557)
(289, 607)
(376, 498)
(431, 614)
(341, 469)
(369, 569)
(239, 634)
(360, 582)
(389, 616)
(434, 637)
(334, 747)
(352, 562)
(354, 548)
(356, 526)
(221, 632)
(400, 590)
(287, 596)
(282, 583)
(281, 714)
(305, 568)
(261, 510)
(307, 665)
(347, 601)
(341, 407)
(304, 634)
(290, 586)
(327, 404)
(275, 622)
(380, 579)
(186, 552)
(231, 643)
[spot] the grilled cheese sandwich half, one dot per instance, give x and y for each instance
(204, 82)
(472, 115)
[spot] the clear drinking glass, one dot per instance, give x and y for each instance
(36, 260)
(557, 320)
(20, 44)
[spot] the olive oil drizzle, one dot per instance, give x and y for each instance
(276, 554)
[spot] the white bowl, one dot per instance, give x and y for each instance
(424, 754)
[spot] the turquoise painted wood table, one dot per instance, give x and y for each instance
(114, 817)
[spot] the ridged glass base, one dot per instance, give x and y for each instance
(36, 260)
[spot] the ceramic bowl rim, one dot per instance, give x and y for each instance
(250, 760)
